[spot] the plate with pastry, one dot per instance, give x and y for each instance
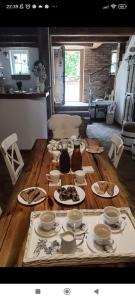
(32, 196)
(105, 189)
(95, 149)
(69, 195)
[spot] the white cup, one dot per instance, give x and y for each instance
(52, 142)
(80, 176)
(56, 156)
(111, 214)
(69, 242)
(75, 217)
(53, 176)
(47, 220)
(102, 234)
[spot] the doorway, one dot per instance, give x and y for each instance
(72, 75)
(68, 65)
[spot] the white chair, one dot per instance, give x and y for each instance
(12, 156)
(116, 149)
(64, 126)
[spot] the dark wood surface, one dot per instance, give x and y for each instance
(26, 95)
(14, 224)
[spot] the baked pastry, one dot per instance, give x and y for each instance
(110, 188)
(98, 191)
(103, 186)
(69, 193)
(25, 195)
(32, 195)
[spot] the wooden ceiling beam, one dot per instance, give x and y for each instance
(86, 39)
(92, 31)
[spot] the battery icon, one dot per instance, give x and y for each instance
(122, 6)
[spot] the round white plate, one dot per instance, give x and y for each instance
(22, 201)
(80, 192)
(121, 224)
(41, 232)
(79, 230)
(91, 150)
(105, 195)
(99, 248)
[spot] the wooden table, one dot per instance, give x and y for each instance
(14, 224)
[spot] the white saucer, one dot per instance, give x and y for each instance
(99, 248)
(55, 184)
(41, 232)
(82, 230)
(80, 184)
(119, 228)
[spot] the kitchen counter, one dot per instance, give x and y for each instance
(26, 95)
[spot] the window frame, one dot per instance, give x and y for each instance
(113, 73)
(12, 52)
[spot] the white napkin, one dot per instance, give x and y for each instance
(88, 169)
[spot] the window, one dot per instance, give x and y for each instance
(19, 62)
(113, 62)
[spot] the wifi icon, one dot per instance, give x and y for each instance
(113, 6)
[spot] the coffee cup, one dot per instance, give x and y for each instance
(111, 215)
(75, 217)
(102, 234)
(52, 142)
(80, 176)
(56, 155)
(53, 176)
(69, 242)
(47, 220)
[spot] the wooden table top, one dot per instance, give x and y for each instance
(14, 224)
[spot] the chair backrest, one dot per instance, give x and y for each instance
(12, 156)
(64, 126)
(116, 149)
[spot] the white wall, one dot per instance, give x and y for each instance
(26, 117)
(121, 82)
(9, 82)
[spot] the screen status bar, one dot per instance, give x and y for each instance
(58, 5)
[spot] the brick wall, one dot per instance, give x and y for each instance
(96, 59)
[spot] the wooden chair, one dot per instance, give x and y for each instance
(12, 156)
(116, 149)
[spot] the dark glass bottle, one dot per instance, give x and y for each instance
(64, 161)
(76, 158)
